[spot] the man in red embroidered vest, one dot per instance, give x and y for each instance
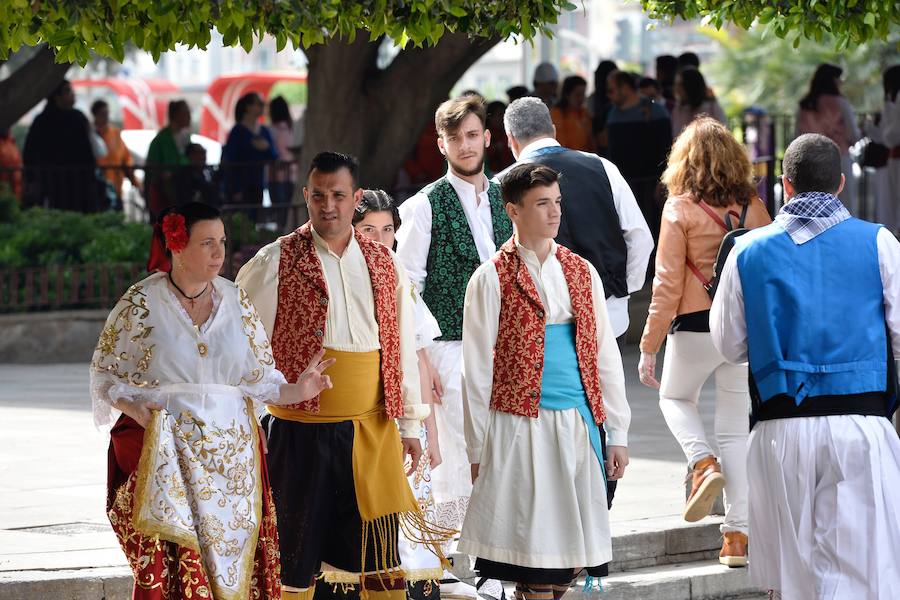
(542, 386)
(336, 461)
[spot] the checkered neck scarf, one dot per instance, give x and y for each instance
(809, 214)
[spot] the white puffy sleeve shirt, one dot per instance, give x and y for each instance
(149, 342)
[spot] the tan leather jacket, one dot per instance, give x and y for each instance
(687, 231)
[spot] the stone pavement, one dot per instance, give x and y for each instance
(53, 472)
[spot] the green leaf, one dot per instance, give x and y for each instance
(246, 39)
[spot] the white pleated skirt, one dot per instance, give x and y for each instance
(825, 508)
(451, 480)
(540, 497)
(418, 562)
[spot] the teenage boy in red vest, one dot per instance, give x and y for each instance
(543, 386)
(335, 461)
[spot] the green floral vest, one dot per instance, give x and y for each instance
(453, 256)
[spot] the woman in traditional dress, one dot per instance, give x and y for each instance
(180, 365)
(378, 219)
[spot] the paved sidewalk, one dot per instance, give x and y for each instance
(53, 470)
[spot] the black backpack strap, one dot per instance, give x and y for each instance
(741, 218)
(743, 215)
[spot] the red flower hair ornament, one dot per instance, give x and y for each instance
(175, 232)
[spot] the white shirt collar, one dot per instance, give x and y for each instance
(323, 245)
(538, 144)
(464, 188)
(529, 255)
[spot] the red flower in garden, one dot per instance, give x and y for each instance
(175, 232)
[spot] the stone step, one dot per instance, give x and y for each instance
(104, 583)
(699, 580)
(640, 549)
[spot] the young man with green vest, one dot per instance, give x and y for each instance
(450, 228)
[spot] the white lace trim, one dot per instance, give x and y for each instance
(105, 389)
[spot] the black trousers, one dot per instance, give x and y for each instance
(311, 471)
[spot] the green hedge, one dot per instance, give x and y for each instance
(39, 237)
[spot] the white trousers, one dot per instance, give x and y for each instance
(825, 508)
(690, 360)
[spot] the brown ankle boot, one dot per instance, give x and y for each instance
(707, 483)
(734, 549)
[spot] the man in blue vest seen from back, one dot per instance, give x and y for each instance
(812, 301)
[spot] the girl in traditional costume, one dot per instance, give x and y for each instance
(378, 219)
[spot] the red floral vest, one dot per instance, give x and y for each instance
(519, 351)
(299, 330)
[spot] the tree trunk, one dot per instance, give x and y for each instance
(28, 85)
(378, 114)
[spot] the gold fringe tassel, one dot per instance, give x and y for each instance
(416, 529)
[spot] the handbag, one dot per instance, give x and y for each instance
(874, 154)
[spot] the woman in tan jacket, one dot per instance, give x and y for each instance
(710, 182)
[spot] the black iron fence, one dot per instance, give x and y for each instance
(65, 286)
(768, 136)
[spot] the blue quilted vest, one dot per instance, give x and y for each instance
(815, 312)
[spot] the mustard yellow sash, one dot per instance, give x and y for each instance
(383, 494)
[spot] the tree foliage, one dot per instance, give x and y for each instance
(848, 22)
(74, 28)
(754, 68)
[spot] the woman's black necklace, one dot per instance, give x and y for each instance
(180, 291)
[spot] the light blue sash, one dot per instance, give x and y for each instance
(561, 387)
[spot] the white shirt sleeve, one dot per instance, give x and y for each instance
(259, 278)
(414, 238)
(427, 328)
(481, 320)
(727, 321)
(413, 409)
(889, 265)
(638, 239)
(609, 366)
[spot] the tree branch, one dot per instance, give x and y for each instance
(431, 72)
(28, 85)
(451, 57)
